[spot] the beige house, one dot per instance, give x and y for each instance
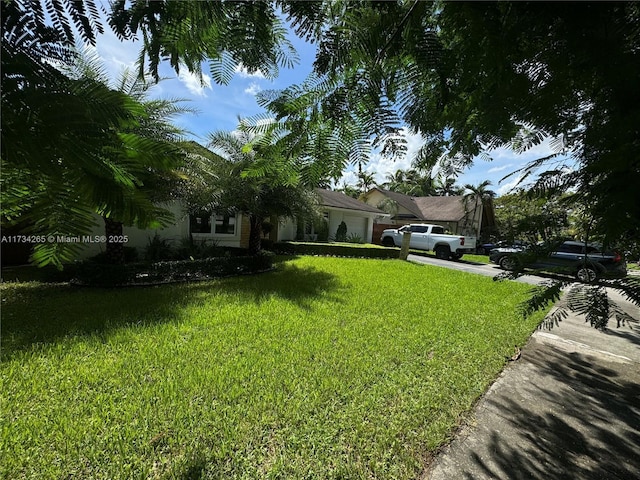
(456, 215)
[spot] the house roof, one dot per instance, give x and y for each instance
(330, 198)
(450, 209)
(444, 209)
(403, 200)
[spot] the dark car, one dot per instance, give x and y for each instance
(567, 258)
(485, 248)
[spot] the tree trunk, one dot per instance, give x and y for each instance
(115, 249)
(255, 234)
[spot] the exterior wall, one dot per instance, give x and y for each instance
(360, 223)
(357, 224)
(287, 230)
(140, 238)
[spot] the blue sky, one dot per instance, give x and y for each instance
(220, 106)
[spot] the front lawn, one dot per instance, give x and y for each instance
(324, 368)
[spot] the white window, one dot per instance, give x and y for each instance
(224, 224)
(216, 224)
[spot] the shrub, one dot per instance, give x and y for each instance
(130, 255)
(159, 249)
(354, 238)
(321, 227)
(101, 275)
(191, 249)
(341, 233)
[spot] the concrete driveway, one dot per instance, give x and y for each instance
(489, 270)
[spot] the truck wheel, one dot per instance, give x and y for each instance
(388, 242)
(443, 252)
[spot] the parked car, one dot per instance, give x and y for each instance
(567, 258)
(430, 237)
(485, 248)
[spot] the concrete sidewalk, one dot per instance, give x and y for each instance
(568, 409)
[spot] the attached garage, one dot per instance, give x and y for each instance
(356, 225)
(338, 207)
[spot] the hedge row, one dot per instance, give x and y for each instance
(334, 250)
(104, 275)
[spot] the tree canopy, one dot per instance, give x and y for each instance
(254, 178)
(474, 76)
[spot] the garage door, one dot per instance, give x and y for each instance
(356, 226)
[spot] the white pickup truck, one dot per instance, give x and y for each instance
(430, 237)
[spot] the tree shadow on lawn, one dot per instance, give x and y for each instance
(587, 426)
(40, 314)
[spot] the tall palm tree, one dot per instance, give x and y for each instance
(395, 181)
(477, 194)
(365, 181)
(447, 187)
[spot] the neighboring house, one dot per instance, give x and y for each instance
(233, 230)
(454, 213)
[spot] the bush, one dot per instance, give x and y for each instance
(159, 249)
(354, 238)
(321, 227)
(101, 275)
(130, 255)
(191, 249)
(341, 233)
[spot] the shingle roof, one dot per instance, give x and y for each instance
(330, 198)
(444, 209)
(403, 200)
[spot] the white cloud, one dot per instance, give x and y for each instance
(194, 84)
(505, 188)
(244, 73)
(499, 169)
(253, 88)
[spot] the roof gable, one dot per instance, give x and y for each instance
(450, 209)
(403, 200)
(330, 198)
(444, 209)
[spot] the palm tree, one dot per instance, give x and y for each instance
(124, 147)
(395, 181)
(255, 178)
(365, 181)
(477, 194)
(446, 187)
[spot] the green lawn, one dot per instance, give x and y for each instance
(325, 368)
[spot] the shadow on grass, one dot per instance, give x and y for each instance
(39, 314)
(585, 423)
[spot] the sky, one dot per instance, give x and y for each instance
(219, 107)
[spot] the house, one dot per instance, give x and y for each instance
(457, 215)
(232, 230)
(337, 207)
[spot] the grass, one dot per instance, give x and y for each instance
(326, 368)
